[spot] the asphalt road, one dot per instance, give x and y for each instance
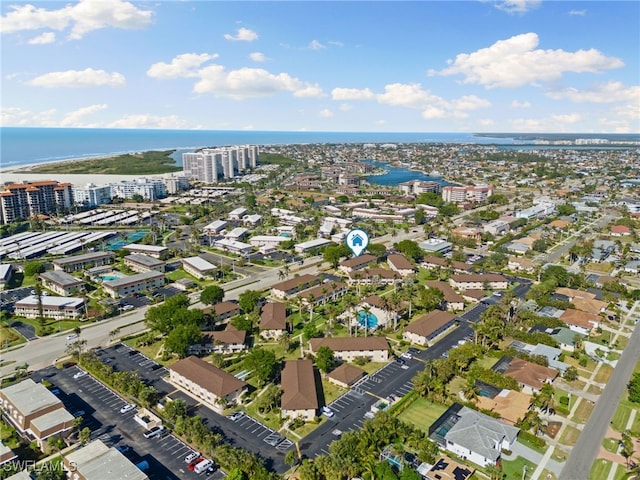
(583, 454)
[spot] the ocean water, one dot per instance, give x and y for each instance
(396, 175)
(23, 146)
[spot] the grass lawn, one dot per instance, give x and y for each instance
(422, 413)
(371, 367)
(331, 391)
(487, 362)
(151, 351)
(9, 337)
(524, 441)
(513, 469)
(621, 342)
(51, 327)
(579, 384)
(594, 389)
(548, 475)
(610, 444)
(307, 428)
(601, 468)
(179, 274)
(635, 428)
(583, 411)
(570, 435)
(621, 416)
(583, 371)
(558, 455)
(271, 419)
(603, 267)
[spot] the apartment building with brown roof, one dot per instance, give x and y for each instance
(294, 285)
(206, 383)
(349, 348)
(452, 301)
(399, 263)
(428, 327)
(299, 394)
(357, 263)
(273, 320)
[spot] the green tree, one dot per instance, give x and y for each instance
(377, 249)
(410, 249)
(571, 374)
(262, 363)
(448, 210)
(211, 295)
(181, 337)
(430, 298)
(269, 399)
(84, 435)
(325, 359)
(291, 458)
(310, 331)
(33, 268)
(634, 388)
(236, 474)
(249, 300)
(626, 444)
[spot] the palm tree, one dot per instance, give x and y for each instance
(470, 390)
(627, 446)
(367, 312)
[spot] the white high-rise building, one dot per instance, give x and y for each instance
(92, 195)
(149, 189)
(211, 164)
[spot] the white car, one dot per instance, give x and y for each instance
(191, 457)
(73, 336)
(128, 307)
(127, 407)
(80, 374)
(327, 412)
(406, 355)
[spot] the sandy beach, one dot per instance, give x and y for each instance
(22, 173)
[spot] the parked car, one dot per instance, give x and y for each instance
(79, 374)
(154, 432)
(193, 463)
(77, 414)
(127, 407)
(72, 336)
(55, 391)
(123, 448)
(235, 416)
(202, 465)
(191, 457)
(406, 355)
(327, 412)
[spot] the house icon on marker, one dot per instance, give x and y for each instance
(356, 240)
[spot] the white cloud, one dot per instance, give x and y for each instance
(243, 35)
(258, 57)
(326, 113)
(82, 17)
(351, 94)
(345, 107)
(74, 119)
(16, 117)
(486, 122)
(610, 92)
(432, 106)
(517, 104)
(517, 6)
(149, 121)
(515, 62)
(248, 83)
(185, 65)
(380, 122)
(567, 118)
(43, 39)
(579, 13)
(79, 78)
(316, 45)
(335, 43)
(310, 91)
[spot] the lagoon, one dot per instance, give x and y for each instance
(397, 175)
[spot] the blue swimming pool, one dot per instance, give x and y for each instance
(367, 319)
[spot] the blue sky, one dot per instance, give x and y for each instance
(482, 66)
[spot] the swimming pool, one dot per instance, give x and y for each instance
(111, 276)
(367, 319)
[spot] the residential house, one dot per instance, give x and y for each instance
(399, 263)
(152, 250)
(428, 327)
(133, 284)
(141, 263)
(519, 264)
(346, 375)
(273, 320)
(374, 275)
(349, 348)
(198, 267)
(472, 435)
(530, 376)
(6, 273)
(229, 340)
(620, 231)
(223, 311)
(356, 263)
(78, 263)
(491, 281)
(430, 261)
(323, 293)
(566, 338)
(57, 308)
(62, 283)
(6, 454)
(579, 321)
(511, 405)
(206, 383)
(452, 301)
(446, 469)
(299, 395)
(290, 287)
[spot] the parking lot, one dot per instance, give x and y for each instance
(249, 433)
(100, 408)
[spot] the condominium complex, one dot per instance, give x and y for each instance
(92, 195)
(23, 200)
(148, 188)
(470, 193)
(211, 164)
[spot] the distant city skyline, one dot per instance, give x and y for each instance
(420, 66)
